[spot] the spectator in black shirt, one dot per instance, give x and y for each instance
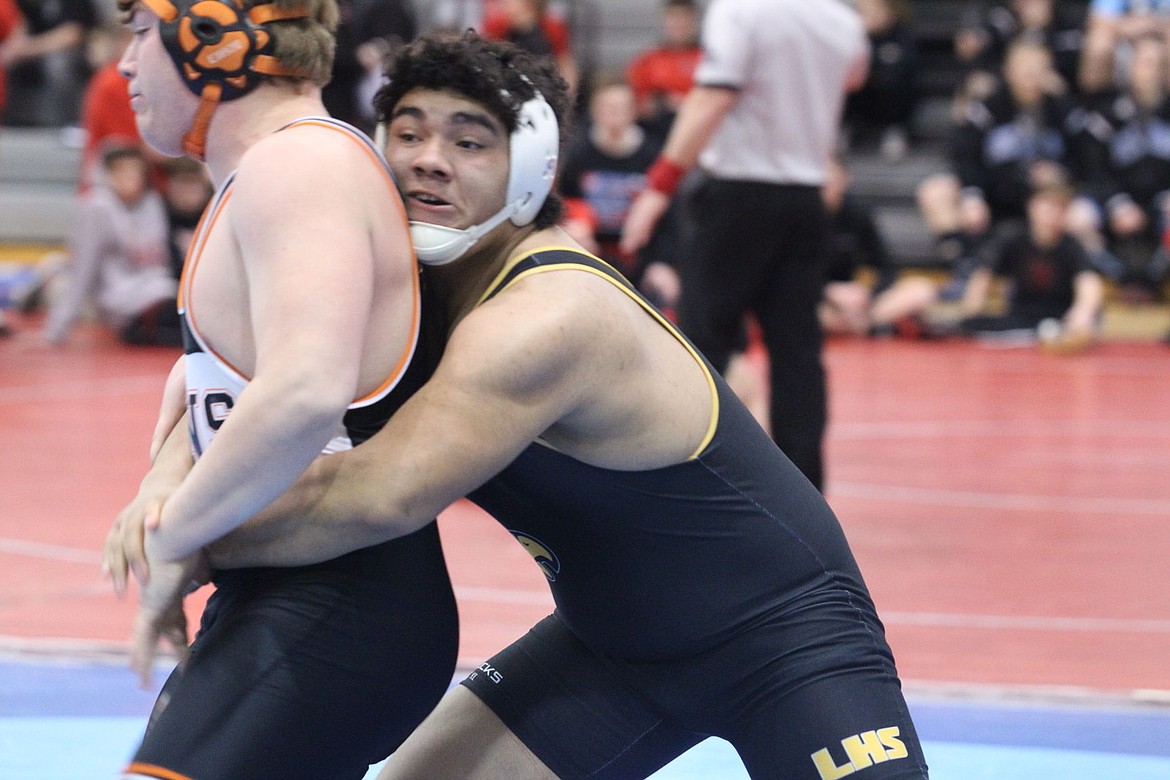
(985, 35)
(1124, 145)
(881, 109)
(605, 168)
(855, 245)
(1004, 146)
(48, 71)
(367, 31)
(1049, 278)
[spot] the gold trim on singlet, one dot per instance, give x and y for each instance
(493, 289)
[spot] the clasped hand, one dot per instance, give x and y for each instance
(161, 584)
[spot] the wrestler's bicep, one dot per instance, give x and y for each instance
(499, 386)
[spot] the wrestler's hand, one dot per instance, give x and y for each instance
(160, 612)
(124, 545)
(643, 216)
(124, 550)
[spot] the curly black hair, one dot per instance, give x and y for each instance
(498, 75)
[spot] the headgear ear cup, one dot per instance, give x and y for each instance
(535, 146)
(221, 51)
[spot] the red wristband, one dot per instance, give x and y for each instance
(664, 175)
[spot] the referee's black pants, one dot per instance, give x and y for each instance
(762, 248)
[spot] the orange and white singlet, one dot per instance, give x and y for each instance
(214, 384)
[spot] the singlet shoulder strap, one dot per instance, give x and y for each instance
(566, 258)
(553, 258)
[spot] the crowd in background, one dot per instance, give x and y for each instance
(1068, 99)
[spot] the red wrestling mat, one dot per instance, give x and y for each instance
(1009, 508)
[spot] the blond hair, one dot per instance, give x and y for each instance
(306, 45)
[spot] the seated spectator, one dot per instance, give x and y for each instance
(605, 167)
(118, 257)
(881, 109)
(662, 75)
(1110, 29)
(12, 30)
(12, 33)
(864, 293)
(1124, 145)
(1005, 146)
(983, 38)
(1054, 293)
(533, 27)
(48, 70)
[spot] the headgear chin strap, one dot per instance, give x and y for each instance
(221, 52)
(533, 147)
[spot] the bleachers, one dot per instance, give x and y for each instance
(38, 168)
(38, 181)
(888, 187)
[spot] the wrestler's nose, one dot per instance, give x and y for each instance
(431, 159)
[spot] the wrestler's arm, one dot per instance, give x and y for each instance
(510, 370)
(307, 261)
(170, 461)
(171, 409)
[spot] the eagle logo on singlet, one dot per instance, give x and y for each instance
(545, 558)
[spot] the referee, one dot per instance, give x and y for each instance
(761, 121)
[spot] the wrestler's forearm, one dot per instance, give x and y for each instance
(331, 510)
(171, 457)
(271, 436)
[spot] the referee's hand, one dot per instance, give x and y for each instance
(643, 216)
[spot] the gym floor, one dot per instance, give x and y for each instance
(1009, 508)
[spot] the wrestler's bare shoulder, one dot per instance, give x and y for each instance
(311, 161)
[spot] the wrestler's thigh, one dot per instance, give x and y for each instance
(569, 709)
(304, 679)
(831, 727)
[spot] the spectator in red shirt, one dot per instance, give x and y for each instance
(530, 25)
(662, 76)
(12, 30)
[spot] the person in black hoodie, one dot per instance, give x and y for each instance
(1124, 145)
(1004, 146)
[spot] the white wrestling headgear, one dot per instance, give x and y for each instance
(534, 147)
